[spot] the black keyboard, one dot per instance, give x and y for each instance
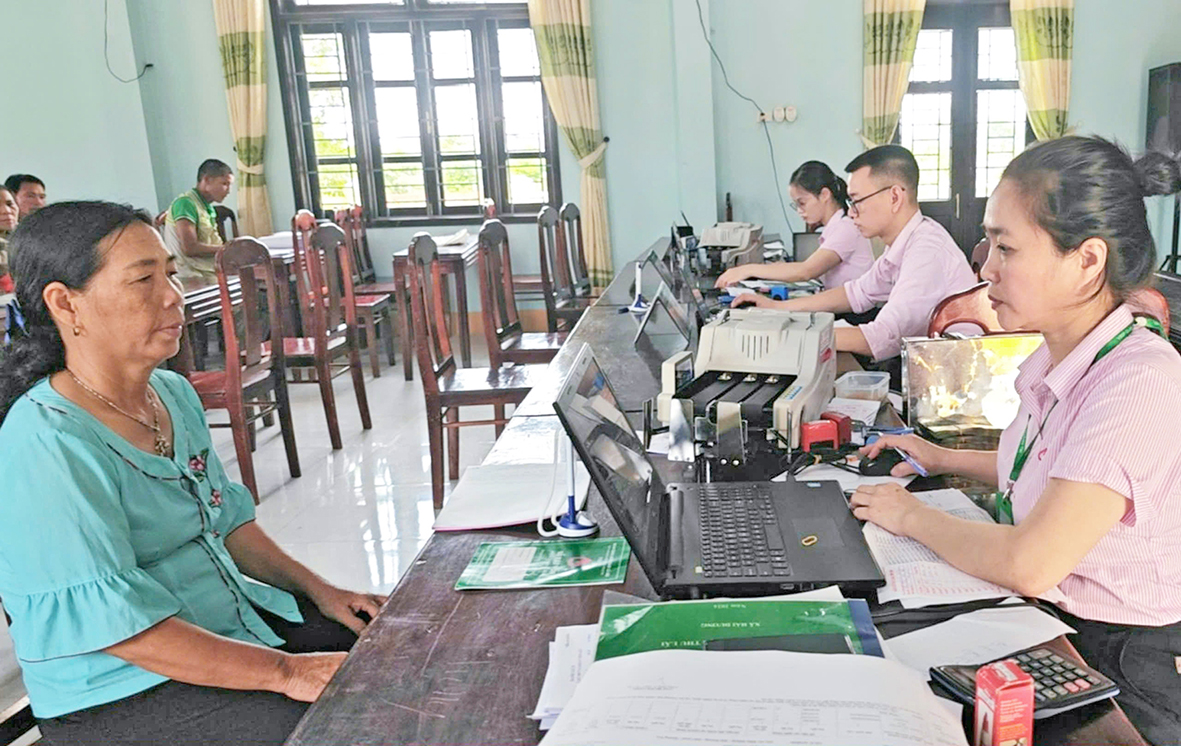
(1059, 684)
(740, 536)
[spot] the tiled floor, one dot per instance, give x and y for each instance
(357, 516)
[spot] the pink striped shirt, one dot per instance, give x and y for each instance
(922, 267)
(1116, 425)
(842, 237)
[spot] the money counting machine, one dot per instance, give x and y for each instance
(758, 375)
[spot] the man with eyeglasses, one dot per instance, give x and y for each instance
(921, 265)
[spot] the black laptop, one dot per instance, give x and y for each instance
(716, 539)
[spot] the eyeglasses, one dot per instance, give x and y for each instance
(854, 206)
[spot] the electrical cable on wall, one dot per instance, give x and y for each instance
(759, 109)
(106, 44)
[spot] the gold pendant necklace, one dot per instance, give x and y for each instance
(160, 445)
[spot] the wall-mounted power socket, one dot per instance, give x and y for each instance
(762, 116)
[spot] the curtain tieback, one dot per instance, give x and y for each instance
(256, 170)
(592, 157)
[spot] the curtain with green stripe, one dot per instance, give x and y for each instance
(562, 29)
(241, 36)
(891, 33)
(1045, 42)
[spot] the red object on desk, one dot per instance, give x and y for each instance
(820, 433)
(844, 425)
(6, 284)
(1004, 705)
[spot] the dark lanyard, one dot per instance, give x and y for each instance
(1005, 501)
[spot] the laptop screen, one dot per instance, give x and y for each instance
(614, 456)
(665, 329)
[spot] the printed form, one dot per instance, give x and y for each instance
(696, 697)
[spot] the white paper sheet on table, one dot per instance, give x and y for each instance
(918, 577)
(977, 637)
(841, 324)
(862, 410)
(697, 697)
(847, 479)
(454, 239)
(494, 495)
(736, 290)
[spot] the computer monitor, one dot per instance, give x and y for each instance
(804, 245)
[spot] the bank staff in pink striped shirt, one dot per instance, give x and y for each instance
(1089, 473)
(921, 265)
(821, 198)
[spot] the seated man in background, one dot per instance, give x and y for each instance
(29, 192)
(190, 227)
(921, 265)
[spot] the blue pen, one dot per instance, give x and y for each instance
(918, 468)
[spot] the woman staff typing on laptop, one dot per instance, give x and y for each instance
(821, 198)
(1087, 472)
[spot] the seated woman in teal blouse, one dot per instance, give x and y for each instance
(146, 603)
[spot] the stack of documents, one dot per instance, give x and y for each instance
(766, 697)
(918, 577)
(570, 655)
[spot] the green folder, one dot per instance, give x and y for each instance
(542, 564)
(637, 628)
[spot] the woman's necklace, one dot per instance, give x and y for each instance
(161, 445)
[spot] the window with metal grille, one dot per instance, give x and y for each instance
(419, 110)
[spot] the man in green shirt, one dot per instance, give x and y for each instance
(190, 229)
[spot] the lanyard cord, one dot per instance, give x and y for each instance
(1024, 449)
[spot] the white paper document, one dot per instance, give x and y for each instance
(494, 495)
(457, 238)
(978, 637)
(697, 697)
(862, 410)
(570, 655)
(917, 576)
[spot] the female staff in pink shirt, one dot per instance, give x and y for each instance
(821, 198)
(1089, 473)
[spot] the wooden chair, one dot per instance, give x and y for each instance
(563, 307)
(354, 227)
(325, 288)
(446, 386)
(979, 255)
(570, 235)
(969, 306)
(507, 342)
(226, 216)
(254, 383)
(375, 311)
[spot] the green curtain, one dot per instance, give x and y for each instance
(1045, 40)
(241, 36)
(891, 33)
(562, 30)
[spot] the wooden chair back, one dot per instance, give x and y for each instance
(570, 227)
(979, 255)
(555, 275)
(433, 346)
(324, 283)
(497, 300)
(352, 221)
(226, 216)
(969, 306)
(248, 261)
(1151, 302)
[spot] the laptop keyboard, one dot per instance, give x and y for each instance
(740, 536)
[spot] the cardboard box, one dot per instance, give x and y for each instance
(1004, 705)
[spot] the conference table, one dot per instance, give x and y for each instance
(440, 666)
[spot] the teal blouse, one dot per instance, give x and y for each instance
(100, 540)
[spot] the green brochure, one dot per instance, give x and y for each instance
(540, 564)
(810, 626)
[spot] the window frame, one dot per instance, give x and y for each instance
(418, 17)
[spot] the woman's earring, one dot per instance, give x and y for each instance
(77, 332)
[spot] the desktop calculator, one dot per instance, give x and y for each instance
(1059, 684)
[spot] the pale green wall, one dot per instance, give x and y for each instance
(184, 101)
(65, 119)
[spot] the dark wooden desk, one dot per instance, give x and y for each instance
(438, 666)
(454, 261)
